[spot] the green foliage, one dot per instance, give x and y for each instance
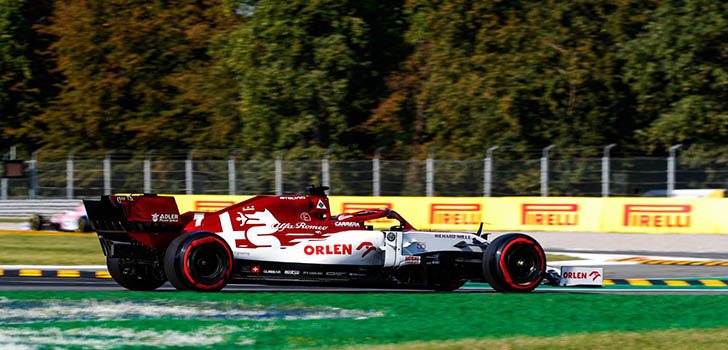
(310, 71)
(356, 77)
(138, 74)
(677, 68)
(24, 73)
(517, 73)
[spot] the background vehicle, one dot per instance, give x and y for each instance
(71, 220)
(295, 239)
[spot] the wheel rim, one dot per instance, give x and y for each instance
(206, 262)
(523, 263)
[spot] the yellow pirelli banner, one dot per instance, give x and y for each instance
(558, 214)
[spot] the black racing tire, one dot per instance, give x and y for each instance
(36, 222)
(199, 261)
(514, 262)
(134, 276)
(83, 225)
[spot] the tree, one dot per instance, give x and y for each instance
(135, 75)
(678, 69)
(25, 81)
(516, 73)
(310, 72)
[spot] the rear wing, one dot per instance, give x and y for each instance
(128, 214)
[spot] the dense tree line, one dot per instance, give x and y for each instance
(358, 77)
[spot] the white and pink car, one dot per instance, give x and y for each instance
(74, 220)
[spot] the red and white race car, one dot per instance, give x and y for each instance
(295, 239)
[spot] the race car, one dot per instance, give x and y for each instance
(294, 239)
(70, 221)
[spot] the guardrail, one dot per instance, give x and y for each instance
(21, 209)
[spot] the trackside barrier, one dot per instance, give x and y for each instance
(557, 214)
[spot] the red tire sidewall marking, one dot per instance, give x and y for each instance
(186, 268)
(502, 262)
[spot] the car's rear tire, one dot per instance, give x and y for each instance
(199, 261)
(36, 222)
(514, 262)
(83, 225)
(134, 275)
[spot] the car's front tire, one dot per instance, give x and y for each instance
(199, 261)
(514, 262)
(134, 275)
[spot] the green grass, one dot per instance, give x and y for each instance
(670, 339)
(14, 220)
(438, 320)
(49, 249)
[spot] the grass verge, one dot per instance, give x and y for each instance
(666, 339)
(415, 320)
(49, 249)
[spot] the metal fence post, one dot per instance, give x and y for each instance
(376, 174)
(487, 171)
(605, 170)
(430, 173)
(279, 175)
(188, 173)
(69, 176)
(545, 171)
(107, 173)
(148, 172)
(325, 171)
(32, 188)
(231, 175)
(671, 169)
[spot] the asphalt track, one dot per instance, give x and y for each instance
(653, 248)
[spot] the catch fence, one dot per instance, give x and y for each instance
(74, 176)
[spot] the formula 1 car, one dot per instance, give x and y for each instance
(294, 239)
(70, 221)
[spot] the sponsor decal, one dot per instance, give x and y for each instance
(366, 245)
(581, 276)
(304, 216)
(329, 249)
(291, 272)
(452, 235)
(348, 224)
(299, 225)
(455, 214)
(412, 260)
(292, 198)
(272, 272)
(313, 273)
(165, 217)
(255, 269)
(337, 274)
(421, 245)
(338, 249)
(550, 214)
(249, 208)
(120, 199)
(657, 215)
